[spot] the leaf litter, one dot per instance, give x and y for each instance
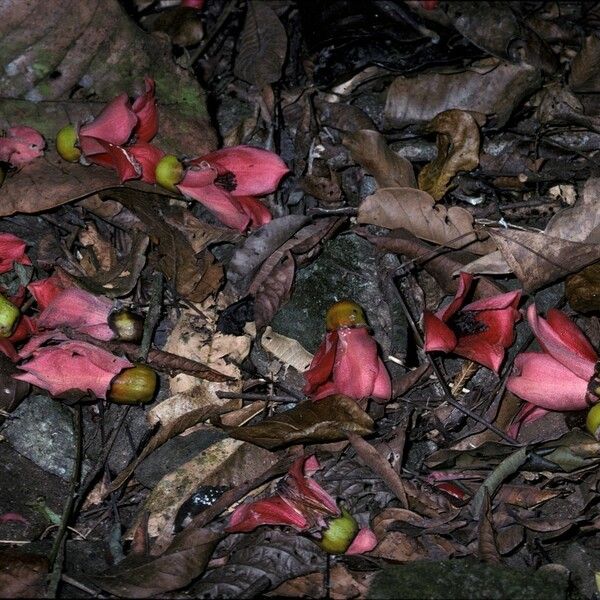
(463, 144)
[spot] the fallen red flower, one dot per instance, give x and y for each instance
(226, 182)
(12, 250)
(21, 145)
(301, 503)
(347, 361)
(479, 331)
(557, 379)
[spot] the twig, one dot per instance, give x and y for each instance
(254, 396)
(447, 391)
(79, 585)
(57, 554)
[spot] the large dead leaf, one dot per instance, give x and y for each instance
(538, 259)
(585, 67)
(416, 211)
(327, 420)
(583, 289)
(259, 245)
(22, 575)
(370, 150)
(490, 87)
(194, 276)
(458, 150)
(263, 46)
(144, 577)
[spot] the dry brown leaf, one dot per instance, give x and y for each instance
(487, 549)
(458, 150)
(263, 46)
(286, 350)
(525, 496)
(22, 575)
(416, 211)
(559, 106)
(538, 259)
(488, 87)
(585, 67)
(370, 150)
(583, 289)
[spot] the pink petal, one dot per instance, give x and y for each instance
(12, 250)
(24, 330)
(500, 326)
(44, 290)
(72, 365)
(357, 364)
(571, 334)
(224, 206)
(438, 336)
(321, 367)
(257, 212)
(545, 382)
(481, 352)
(528, 414)
(13, 517)
(304, 492)
(197, 4)
(501, 301)
(144, 107)
(80, 310)
(382, 387)
(118, 158)
(257, 171)
(270, 511)
(198, 175)
(21, 145)
(568, 351)
(464, 283)
(7, 348)
(113, 125)
(147, 156)
(365, 541)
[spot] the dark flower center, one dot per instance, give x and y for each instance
(464, 322)
(226, 181)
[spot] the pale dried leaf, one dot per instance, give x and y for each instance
(416, 211)
(287, 350)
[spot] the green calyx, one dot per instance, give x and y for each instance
(9, 317)
(169, 172)
(339, 534)
(135, 385)
(66, 143)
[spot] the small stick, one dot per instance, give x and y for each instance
(254, 396)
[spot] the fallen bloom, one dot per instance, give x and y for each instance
(560, 378)
(72, 365)
(118, 137)
(480, 331)
(226, 182)
(303, 504)
(347, 361)
(21, 145)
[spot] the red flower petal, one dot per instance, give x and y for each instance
(464, 283)
(357, 365)
(499, 302)
(113, 125)
(44, 290)
(21, 145)
(270, 511)
(438, 336)
(12, 250)
(304, 492)
(80, 310)
(147, 156)
(545, 382)
(480, 351)
(571, 334)
(72, 365)
(144, 107)
(569, 350)
(321, 367)
(365, 541)
(257, 171)
(257, 212)
(219, 202)
(118, 158)
(500, 326)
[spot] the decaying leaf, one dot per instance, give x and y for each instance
(327, 420)
(144, 577)
(558, 105)
(415, 210)
(227, 462)
(487, 548)
(287, 350)
(583, 289)
(370, 150)
(458, 150)
(22, 575)
(263, 46)
(195, 276)
(488, 87)
(538, 259)
(585, 70)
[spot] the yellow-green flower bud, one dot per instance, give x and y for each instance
(339, 534)
(66, 140)
(169, 172)
(9, 317)
(135, 385)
